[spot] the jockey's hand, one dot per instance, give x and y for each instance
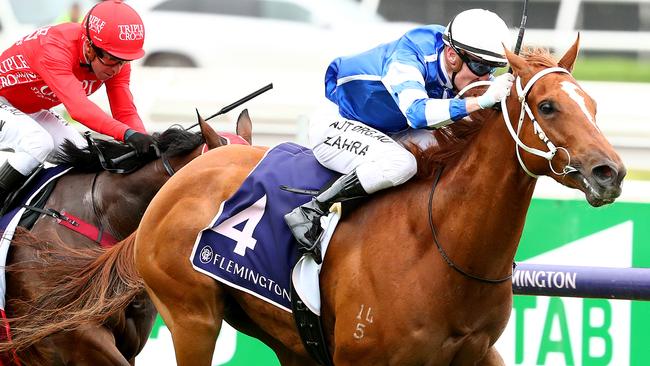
(141, 142)
(499, 89)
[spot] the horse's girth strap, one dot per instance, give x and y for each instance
(99, 235)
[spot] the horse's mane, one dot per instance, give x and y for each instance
(174, 141)
(538, 57)
(450, 140)
(453, 138)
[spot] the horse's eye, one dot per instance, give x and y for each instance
(546, 108)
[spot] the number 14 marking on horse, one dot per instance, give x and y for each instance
(359, 331)
(244, 238)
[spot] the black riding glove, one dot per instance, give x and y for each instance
(141, 142)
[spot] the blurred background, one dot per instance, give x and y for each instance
(209, 53)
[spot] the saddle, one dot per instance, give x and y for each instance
(248, 245)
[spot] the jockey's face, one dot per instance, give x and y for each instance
(103, 64)
(464, 75)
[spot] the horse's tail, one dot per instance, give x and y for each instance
(79, 287)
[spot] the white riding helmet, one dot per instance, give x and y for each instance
(480, 33)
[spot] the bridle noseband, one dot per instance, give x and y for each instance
(522, 94)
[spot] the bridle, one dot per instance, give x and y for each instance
(522, 94)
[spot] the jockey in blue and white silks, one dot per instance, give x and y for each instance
(396, 89)
(397, 85)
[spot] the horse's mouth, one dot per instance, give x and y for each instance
(596, 194)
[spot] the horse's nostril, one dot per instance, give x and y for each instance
(604, 174)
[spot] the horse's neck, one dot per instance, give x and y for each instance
(488, 195)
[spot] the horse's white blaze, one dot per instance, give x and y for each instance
(572, 90)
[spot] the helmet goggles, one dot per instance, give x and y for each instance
(106, 58)
(476, 66)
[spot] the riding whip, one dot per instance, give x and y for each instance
(236, 104)
(522, 29)
(223, 110)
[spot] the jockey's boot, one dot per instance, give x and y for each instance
(10, 179)
(304, 221)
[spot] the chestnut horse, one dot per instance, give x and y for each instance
(398, 294)
(114, 202)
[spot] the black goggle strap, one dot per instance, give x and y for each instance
(89, 39)
(88, 26)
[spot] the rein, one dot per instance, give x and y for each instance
(167, 165)
(444, 255)
(100, 228)
(108, 164)
(522, 93)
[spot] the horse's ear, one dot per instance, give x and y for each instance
(569, 59)
(245, 126)
(518, 64)
(211, 137)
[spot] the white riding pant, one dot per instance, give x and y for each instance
(33, 137)
(345, 145)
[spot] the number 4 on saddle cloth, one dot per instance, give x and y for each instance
(248, 245)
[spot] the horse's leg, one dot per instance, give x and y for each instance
(286, 356)
(190, 303)
(194, 324)
(492, 358)
(139, 318)
(89, 346)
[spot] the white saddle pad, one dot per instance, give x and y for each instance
(305, 274)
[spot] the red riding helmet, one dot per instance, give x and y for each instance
(116, 28)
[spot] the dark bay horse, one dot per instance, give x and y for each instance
(431, 288)
(114, 202)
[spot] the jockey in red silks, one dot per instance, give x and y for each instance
(64, 64)
(395, 92)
